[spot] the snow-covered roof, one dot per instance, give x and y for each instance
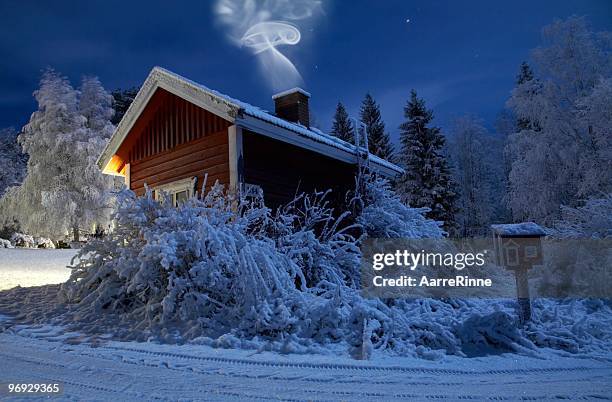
(291, 91)
(518, 229)
(241, 114)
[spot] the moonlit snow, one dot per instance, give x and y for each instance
(96, 369)
(33, 267)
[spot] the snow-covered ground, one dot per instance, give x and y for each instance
(100, 370)
(33, 267)
(94, 367)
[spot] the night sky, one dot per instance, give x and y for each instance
(462, 56)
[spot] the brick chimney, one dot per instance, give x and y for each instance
(292, 105)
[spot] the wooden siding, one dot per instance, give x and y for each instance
(174, 139)
(195, 158)
(282, 170)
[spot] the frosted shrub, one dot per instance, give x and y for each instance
(216, 266)
(578, 258)
(306, 231)
(592, 220)
(23, 240)
(164, 265)
(227, 272)
(5, 244)
(383, 214)
(43, 242)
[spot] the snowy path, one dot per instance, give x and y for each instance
(131, 371)
(33, 267)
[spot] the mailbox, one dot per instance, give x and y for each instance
(518, 247)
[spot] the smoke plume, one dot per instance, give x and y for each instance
(264, 26)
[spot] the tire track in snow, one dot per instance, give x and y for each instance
(194, 370)
(334, 392)
(354, 395)
(40, 362)
(265, 387)
(269, 390)
(332, 366)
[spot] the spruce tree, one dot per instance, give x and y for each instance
(379, 142)
(428, 181)
(525, 74)
(342, 127)
(122, 99)
(526, 77)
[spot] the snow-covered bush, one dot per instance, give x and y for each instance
(5, 244)
(227, 272)
(571, 324)
(210, 266)
(321, 244)
(23, 240)
(43, 242)
(222, 267)
(384, 215)
(578, 253)
(592, 220)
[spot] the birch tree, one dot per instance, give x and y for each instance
(63, 191)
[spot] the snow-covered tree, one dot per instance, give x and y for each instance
(63, 191)
(12, 160)
(379, 142)
(122, 99)
(384, 215)
(428, 181)
(476, 155)
(562, 155)
(96, 105)
(594, 113)
(526, 76)
(342, 127)
(591, 220)
(505, 126)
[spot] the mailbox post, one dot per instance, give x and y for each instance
(518, 247)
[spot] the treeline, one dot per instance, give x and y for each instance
(549, 152)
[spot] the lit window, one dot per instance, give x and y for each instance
(178, 191)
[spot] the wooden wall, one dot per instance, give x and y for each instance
(174, 139)
(283, 169)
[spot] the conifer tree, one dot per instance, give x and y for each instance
(427, 181)
(122, 99)
(525, 74)
(526, 77)
(379, 142)
(342, 127)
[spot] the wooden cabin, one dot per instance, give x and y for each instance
(176, 133)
